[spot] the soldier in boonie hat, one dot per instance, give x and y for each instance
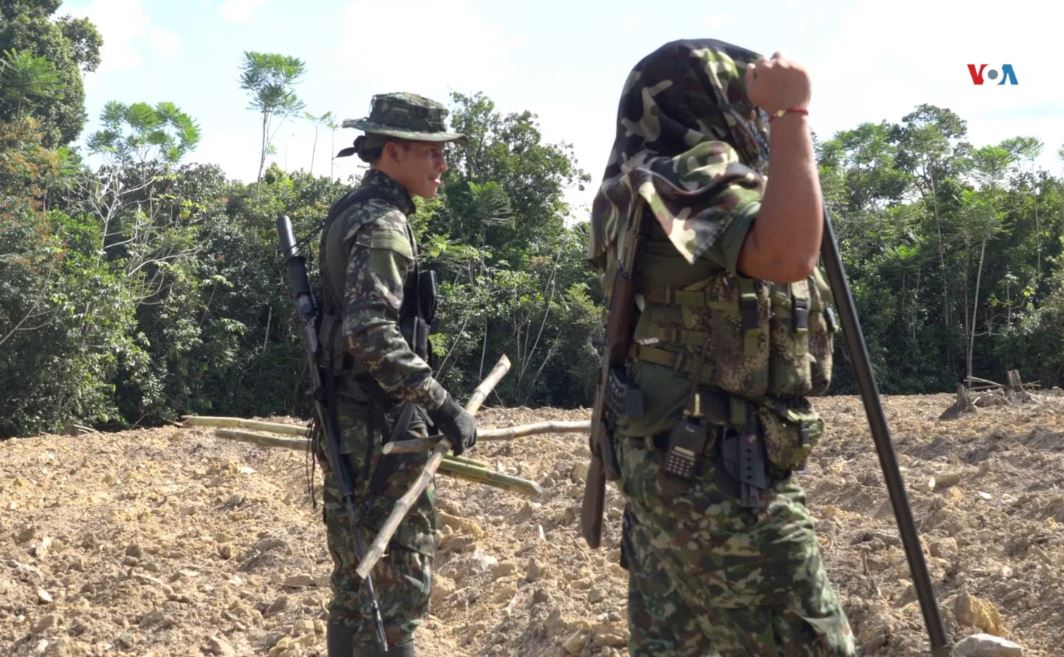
(377, 309)
(404, 116)
(411, 122)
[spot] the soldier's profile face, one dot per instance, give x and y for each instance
(421, 164)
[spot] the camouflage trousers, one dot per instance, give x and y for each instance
(709, 579)
(403, 577)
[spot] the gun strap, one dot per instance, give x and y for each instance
(389, 462)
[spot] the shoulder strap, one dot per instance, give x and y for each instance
(358, 195)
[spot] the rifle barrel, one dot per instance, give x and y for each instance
(866, 384)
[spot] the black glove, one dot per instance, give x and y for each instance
(456, 424)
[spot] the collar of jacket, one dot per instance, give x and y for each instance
(395, 193)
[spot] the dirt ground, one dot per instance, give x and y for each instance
(172, 542)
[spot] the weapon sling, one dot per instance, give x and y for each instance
(866, 384)
(307, 311)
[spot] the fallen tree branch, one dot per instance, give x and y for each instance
(505, 433)
(239, 422)
(403, 504)
(456, 466)
(263, 440)
(490, 477)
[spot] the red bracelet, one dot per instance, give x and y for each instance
(790, 110)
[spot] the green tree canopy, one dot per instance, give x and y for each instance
(140, 132)
(43, 61)
(269, 79)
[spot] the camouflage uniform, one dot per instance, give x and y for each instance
(709, 576)
(367, 253)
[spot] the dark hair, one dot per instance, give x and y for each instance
(370, 147)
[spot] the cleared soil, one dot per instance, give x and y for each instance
(173, 542)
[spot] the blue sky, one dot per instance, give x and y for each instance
(566, 62)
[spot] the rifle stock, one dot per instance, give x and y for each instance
(307, 310)
(603, 464)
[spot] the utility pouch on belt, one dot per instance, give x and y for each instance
(790, 429)
(741, 457)
(623, 398)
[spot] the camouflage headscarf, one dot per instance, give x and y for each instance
(689, 145)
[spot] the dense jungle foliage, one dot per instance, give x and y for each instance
(142, 288)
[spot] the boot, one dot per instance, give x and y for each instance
(405, 650)
(339, 640)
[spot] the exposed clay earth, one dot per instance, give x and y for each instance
(174, 542)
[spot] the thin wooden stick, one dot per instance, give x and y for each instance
(261, 439)
(461, 459)
(975, 379)
(403, 504)
(550, 426)
(455, 466)
(520, 431)
(239, 422)
(485, 476)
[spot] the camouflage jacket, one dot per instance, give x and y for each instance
(371, 248)
(690, 156)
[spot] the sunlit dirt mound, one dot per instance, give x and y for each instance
(173, 542)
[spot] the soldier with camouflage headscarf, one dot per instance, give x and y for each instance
(377, 308)
(733, 333)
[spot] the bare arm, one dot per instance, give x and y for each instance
(784, 243)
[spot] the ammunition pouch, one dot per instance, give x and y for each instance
(766, 338)
(332, 347)
(417, 315)
(623, 398)
(790, 430)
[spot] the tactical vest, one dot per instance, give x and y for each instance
(416, 314)
(761, 338)
(767, 343)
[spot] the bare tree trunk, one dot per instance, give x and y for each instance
(457, 336)
(941, 250)
(975, 305)
(964, 302)
(542, 324)
(483, 350)
(262, 152)
(1015, 383)
(269, 319)
(1037, 242)
(962, 405)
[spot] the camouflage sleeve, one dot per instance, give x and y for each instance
(380, 258)
(698, 196)
(724, 252)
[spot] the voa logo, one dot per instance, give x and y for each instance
(981, 73)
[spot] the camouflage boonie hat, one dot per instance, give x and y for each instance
(405, 116)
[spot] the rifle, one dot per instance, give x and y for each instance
(307, 310)
(613, 389)
(866, 384)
